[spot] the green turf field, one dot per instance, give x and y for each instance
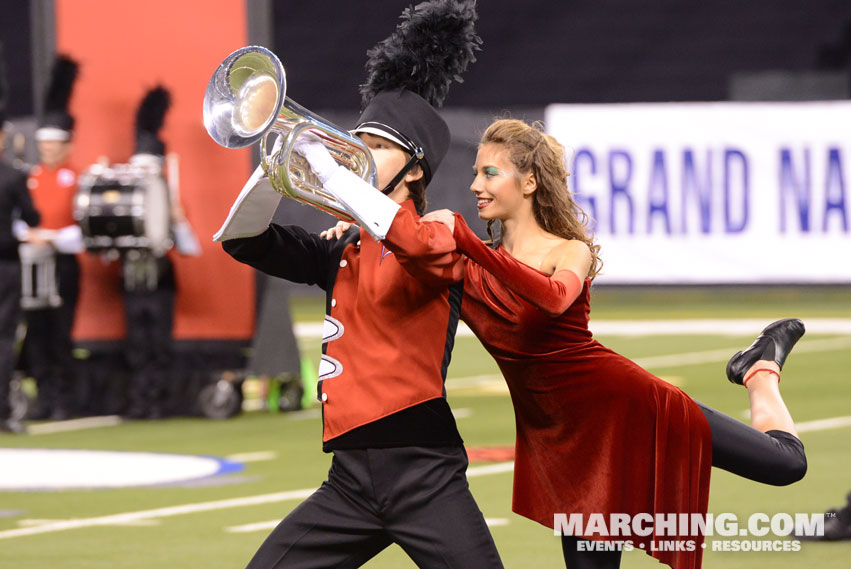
(212, 533)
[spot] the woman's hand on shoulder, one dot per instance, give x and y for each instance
(444, 216)
(571, 254)
(337, 231)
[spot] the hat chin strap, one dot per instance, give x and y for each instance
(413, 161)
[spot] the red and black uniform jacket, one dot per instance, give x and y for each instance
(392, 308)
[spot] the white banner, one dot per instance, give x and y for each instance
(713, 192)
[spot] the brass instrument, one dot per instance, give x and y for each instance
(246, 102)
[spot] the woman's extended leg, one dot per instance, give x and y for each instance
(769, 451)
(773, 457)
(768, 411)
(758, 369)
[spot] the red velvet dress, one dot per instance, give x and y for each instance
(596, 433)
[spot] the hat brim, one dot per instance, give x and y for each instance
(383, 134)
(52, 134)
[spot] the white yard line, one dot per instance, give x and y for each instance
(131, 517)
(135, 517)
(258, 456)
(707, 326)
(709, 356)
(74, 425)
(823, 424)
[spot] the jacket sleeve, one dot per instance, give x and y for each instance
(551, 294)
(288, 252)
(426, 250)
(24, 202)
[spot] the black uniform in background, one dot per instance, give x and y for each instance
(149, 292)
(14, 197)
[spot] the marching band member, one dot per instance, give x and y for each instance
(15, 201)
(398, 473)
(53, 182)
(149, 280)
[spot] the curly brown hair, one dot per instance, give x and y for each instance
(530, 149)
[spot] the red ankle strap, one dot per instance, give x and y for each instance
(756, 371)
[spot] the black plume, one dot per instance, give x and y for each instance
(151, 114)
(432, 45)
(61, 84)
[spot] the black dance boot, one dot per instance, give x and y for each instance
(837, 525)
(773, 344)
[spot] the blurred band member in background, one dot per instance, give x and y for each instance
(149, 279)
(52, 183)
(15, 202)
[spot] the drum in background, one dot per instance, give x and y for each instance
(123, 207)
(39, 285)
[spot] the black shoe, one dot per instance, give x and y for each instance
(837, 525)
(12, 426)
(773, 344)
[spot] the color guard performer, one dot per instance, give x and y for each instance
(632, 444)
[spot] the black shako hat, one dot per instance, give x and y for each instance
(56, 123)
(409, 73)
(411, 122)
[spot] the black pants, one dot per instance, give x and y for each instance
(10, 315)
(775, 457)
(414, 496)
(149, 346)
(48, 342)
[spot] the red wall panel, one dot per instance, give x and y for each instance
(125, 48)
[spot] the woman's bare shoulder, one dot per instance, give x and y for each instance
(570, 254)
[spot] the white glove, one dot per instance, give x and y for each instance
(320, 160)
(69, 239)
(185, 240)
(253, 209)
(373, 210)
(20, 229)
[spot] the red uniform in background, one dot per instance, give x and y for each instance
(48, 342)
(52, 192)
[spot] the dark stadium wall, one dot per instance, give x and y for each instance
(539, 52)
(125, 48)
